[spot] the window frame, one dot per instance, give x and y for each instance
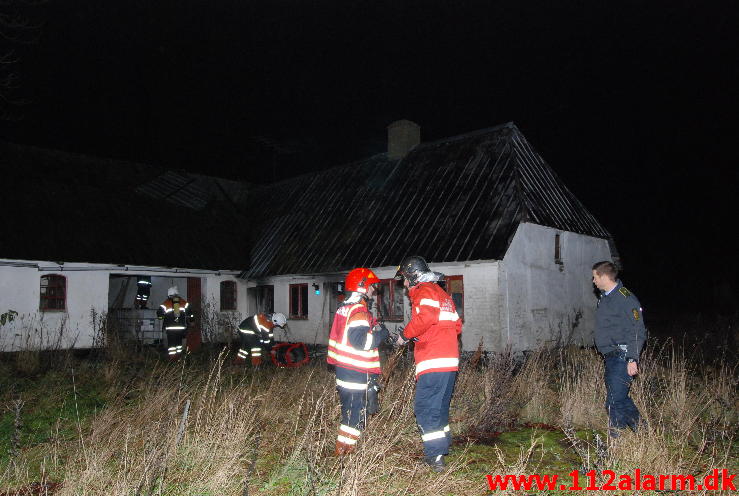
(392, 287)
(302, 303)
(447, 291)
(45, 298)
(233, 300)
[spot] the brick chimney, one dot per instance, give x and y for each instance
(402, 135)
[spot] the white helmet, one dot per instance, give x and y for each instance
(173, 291)
(279, 319)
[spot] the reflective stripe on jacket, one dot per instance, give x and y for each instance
(436, 325)
(175, 313)
(351, 343)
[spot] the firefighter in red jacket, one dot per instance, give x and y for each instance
(256, 335)
(434, 326)
(175, 314)
(352, 349)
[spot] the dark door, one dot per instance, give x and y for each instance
(194, 337)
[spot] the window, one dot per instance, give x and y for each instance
(261, 299)
(299, 301)
(454, 286)
(390, 299)
(558, 250)
(53, 293)
(228, 295)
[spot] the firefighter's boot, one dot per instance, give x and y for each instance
(343, 448)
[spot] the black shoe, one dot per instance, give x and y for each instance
(436, 463)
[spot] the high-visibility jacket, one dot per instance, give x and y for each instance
(435, 324)
(352, 344)
(259, 326)
(175, 313)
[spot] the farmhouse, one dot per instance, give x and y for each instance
(484, 208)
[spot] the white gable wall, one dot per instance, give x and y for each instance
(549, 303)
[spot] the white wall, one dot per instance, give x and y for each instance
(482, 303)
(87, 300)
(549, 302)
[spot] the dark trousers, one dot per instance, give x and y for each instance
(622, 411)
(433, 396)
(175, 346)
(356, 404)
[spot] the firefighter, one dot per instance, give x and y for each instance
(257, 336)
(352, 349)
(175, 314)
(434, 326)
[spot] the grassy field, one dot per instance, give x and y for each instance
(129, 423)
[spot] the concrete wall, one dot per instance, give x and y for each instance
(547, 302)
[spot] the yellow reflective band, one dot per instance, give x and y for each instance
(436, 363)
(351, 361)
(368, 342)
(247, 331)
(176, 328)
(351, 385)
(353, 351)
(433, 435)
(351, 430)
(256, 349)
(446, 428)
(345, 440)
(429, 302)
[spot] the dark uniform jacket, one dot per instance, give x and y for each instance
(619, 323)
(176, 313)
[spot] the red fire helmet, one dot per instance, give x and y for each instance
(359, 280)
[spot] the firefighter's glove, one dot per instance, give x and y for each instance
(399, 340)
(380, 332)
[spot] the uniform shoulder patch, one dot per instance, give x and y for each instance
(635, 311)
(625, 292)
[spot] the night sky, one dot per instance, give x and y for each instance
(633, 103)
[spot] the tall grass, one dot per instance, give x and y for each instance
(203, 426)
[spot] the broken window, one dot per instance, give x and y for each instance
(299, 301)
(228, 296)
(53, 293)
(558, 249)
(390, 299)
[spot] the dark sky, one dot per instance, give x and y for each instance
(633, 103)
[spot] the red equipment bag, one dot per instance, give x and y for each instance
(290, 354)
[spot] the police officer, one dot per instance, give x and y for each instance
(175, 314)
(434, 326)
(619, 335)
(256, 336)
(353, 349)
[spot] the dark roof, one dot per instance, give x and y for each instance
(65, 207)
(457, 199)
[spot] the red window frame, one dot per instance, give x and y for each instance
(459, 303)
(298, 301)
(392, 287)
(228, 296)
(53, 294)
